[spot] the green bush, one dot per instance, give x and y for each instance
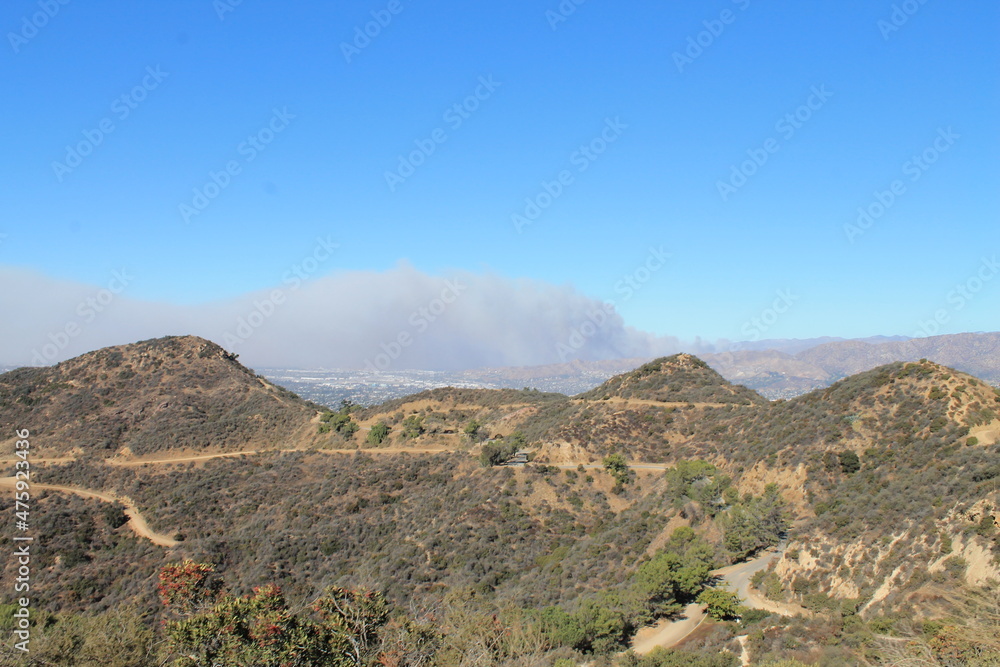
(849, 462)
(475, 432)
(378, 434)
(413, 426)
(340, 422)
(664, 657)
(616, 465)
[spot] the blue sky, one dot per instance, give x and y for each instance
(887, 95)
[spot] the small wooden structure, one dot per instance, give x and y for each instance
(519, 459)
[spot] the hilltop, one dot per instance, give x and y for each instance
(681, 378)
(901, 476)
(177, 392)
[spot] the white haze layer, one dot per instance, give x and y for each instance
(400, 318)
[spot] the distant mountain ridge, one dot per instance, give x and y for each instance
(781, 375)
(776, 368)
(780, 368)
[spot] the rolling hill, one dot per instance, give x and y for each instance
(883, 486)
(171, 393)
(681, 378)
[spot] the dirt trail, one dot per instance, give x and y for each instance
(669, 633)
(179, 458)
(987, 434)
(390, 450)
(659, 404)
(640, 465)
(58, 461)
(184, 458)
(744, 650)
(136, 521)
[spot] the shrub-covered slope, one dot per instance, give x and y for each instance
(890, 478)
(166, 393)
(681, 378)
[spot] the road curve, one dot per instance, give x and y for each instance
(669, 633)
(738, 576)
(136, 521)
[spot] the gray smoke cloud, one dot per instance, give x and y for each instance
(401, 318)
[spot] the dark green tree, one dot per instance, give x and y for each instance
(849, 462)
(754, 524)
(474, 431)
(618, 467)
(722, 605)
(496, 453)
(378, 434)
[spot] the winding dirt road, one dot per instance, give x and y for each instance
(669, 633)
(738, 576)
(136, 521)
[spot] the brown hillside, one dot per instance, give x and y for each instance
(889, 477)
(174, 392)
(676, 379)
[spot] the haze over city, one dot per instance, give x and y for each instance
(461, 186)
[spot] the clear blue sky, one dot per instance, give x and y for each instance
(656, 184)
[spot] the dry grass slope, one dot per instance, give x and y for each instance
(167, 393)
